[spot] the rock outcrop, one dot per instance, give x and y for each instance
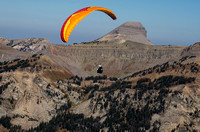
(192, 50)
(132, 31)
(28, 94)
(29, 99)
(32, 45)
(8, 53)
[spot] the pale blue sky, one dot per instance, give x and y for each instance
(174, 22)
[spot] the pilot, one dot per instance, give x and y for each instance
(100, 69)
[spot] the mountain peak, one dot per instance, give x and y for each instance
(129, 31)
(130, 23)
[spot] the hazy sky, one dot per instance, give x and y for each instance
(174, 22)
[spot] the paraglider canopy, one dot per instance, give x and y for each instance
(76, 17)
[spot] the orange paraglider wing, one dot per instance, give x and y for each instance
(76, 17)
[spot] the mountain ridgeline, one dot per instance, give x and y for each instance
(47, 87)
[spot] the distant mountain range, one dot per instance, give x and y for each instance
(143, 87)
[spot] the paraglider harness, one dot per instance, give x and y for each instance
(100, 69)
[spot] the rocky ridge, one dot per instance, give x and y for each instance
(32, 45)
(8, 53)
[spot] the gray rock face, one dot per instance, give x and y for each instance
(8, 53)
(12, 49)
(28, 99)
(132, 31)
(32, 45)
